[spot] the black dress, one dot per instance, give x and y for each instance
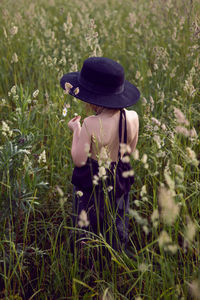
(107, 210)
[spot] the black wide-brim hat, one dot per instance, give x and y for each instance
(101, 82)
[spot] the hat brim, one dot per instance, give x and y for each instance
(128, 97)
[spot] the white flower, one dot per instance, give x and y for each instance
(14, 30)
(42, 157)
(144, 158)
(6, 129)
(68, 87)
(125, 159)
(136, 154)
(13, 90)
(76, 91)
(64, 113)
(95, 180)
(102, 171)
(109, 188)
(169, 209)
(79, 193)
(83, 221)
(35, 94)
(14, 58)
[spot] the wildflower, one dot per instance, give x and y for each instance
(136, 154)
(6, 129)
(138, 75)
(64, 113)
(195, 289)
(190, 231)
(192, 157)
(14, 58)
(13, 90)
(143, 267)
(169, 209)
(164, 239)
(42, 157)
(68, 87)
(83, 221)
(79, 193)
(180, 117)
(156, 138)
(76, 91)
(14, 30)
(125, 159)
(109, 188)
(124, 148)
(149, 74)
(155, 218)
(75, 114)
(143, 191)
(102, 171)
(144, 158)
(155, 67)
(163, 126)
(95, 180)
(182, 130)
(127, 174)
(35, 94)
(144, 101)
(155, 121)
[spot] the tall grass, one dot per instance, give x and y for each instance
(158, 44)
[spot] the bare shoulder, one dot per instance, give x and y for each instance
(132, 116)
(90, 122)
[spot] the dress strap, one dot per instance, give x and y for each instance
(122, 114)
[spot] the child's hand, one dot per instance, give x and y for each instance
(75, 122)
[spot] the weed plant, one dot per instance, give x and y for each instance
(158, 43)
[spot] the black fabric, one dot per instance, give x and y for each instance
(93, 197)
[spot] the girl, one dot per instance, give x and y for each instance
(102, 176)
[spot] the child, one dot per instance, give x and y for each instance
(102, 176)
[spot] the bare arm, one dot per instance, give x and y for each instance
(81, 138)
(136, 129)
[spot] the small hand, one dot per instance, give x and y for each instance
(75, 122)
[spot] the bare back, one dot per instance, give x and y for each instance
(104, 131)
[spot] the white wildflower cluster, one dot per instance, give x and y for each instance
(13, 93)
(188, 85)
(144, 161)
(190, 232)
(161, 58)
(195, 289)
(143, 193)
(138, 76)
(182, 121)
(165, 242)
(191, 157)
(79, 193)
(155, 218)
(6, 131)
(169, 209)
(35, 93)
(83, 220)
(179, 174)
(136, 154)
(13, 30)
(67, 26)
(14, 58)
(27, 163)
(42, 157)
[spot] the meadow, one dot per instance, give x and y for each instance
(158, 44)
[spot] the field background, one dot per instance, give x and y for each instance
(158, 44)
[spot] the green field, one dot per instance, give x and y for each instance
(158, 44)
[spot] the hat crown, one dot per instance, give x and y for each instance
(102, 75)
